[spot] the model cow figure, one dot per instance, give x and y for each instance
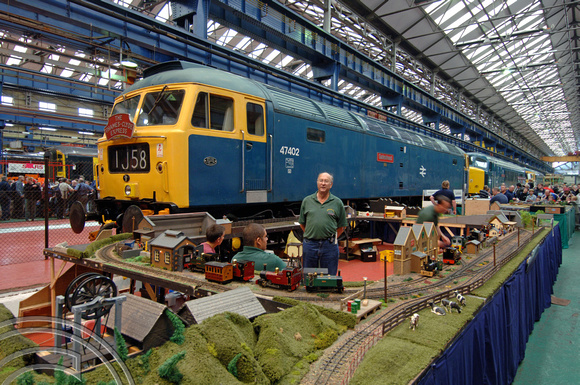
(459, 297)
(414, 321)
(436, 309)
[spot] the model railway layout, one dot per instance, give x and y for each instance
(343, 357)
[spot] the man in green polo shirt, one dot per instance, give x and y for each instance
(323, 219)
(255, 242)
(431, 214)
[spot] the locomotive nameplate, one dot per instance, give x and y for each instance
(119, 126)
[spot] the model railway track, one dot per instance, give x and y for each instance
(465, 269)
(333, 369)
(107, 255)
(409, 288)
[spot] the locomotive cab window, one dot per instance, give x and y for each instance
(127, 106)
(161, 108)
(314, 135)
(213, 111)
(255, 119)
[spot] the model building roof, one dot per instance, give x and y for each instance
(402, 236)
(241, 301)
(168, 239)
(138, 317)
(419, 254)
(417, 229)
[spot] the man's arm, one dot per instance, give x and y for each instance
(454, 203)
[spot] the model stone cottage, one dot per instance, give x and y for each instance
(168, 249)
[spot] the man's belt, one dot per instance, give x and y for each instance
(329, 239)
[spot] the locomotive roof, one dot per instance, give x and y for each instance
(500, 162)
(173, 72)
(286, 102)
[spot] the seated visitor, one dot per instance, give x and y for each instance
(255, 242)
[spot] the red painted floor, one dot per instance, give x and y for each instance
(355, 270)
(24, 275)
(24, 241)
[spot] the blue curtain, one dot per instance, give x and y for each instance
(491, 346)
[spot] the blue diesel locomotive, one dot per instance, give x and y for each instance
(205, 139)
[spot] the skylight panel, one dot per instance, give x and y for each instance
(47, 68)
(7, 100)
(13, 60)
(67, 73)
(243, 43)
(465, 17)
(227, 37)
(271, 56)
(165, 13)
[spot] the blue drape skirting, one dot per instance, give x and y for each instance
(491, 346)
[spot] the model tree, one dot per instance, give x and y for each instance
(178, 328)
(121, 345)
(168, 370)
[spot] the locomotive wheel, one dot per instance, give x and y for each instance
(264, 283)
(131, 218)
(77, 217)
(91, 288)
(73, 286)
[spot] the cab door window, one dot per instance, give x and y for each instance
(213, 111)
(255, 119)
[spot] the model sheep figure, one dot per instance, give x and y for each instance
(414, 321)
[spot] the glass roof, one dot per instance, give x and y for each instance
(509, 43)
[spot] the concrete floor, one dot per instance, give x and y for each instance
(552, 353)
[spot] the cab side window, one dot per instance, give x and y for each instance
(255, 119)
(213, 111)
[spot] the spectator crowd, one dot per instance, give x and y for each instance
(23, 197)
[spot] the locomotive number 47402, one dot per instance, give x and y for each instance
(285, 150)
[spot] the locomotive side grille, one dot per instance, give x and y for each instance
(255, 184)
